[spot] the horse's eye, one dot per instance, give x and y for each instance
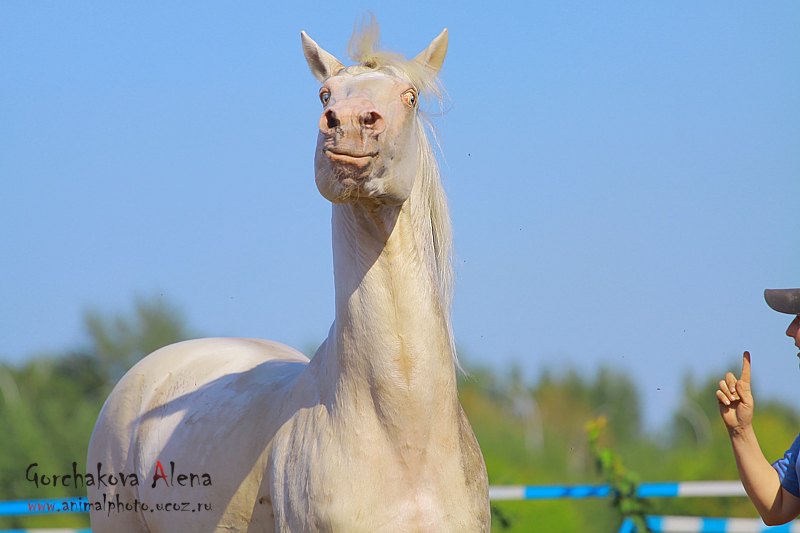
(324, 96)
(409, 97)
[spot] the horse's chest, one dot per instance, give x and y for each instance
(378, 500)
(360, 484)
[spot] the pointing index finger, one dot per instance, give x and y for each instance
(746, 367)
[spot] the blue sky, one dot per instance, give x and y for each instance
(624, 177)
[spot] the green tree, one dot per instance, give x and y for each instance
(49, 403)
(117, 342)
(623, 482)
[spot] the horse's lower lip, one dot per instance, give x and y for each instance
(359, 160)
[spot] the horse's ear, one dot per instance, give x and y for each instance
(322, 64)
(433, 56)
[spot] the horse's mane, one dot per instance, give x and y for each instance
(429, 209)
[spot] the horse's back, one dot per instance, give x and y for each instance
(205, 409)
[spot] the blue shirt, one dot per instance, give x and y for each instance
(787, 468)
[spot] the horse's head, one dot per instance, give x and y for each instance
(370, 136)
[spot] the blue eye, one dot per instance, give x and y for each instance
(324, 96)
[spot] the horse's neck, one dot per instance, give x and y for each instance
(390, 347)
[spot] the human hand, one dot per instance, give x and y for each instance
(735, 398)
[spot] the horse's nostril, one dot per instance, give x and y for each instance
(331, 120)
(370, 118)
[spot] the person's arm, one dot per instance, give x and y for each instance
(775, 504)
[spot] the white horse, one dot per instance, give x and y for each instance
(368, 435)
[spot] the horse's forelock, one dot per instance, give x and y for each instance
(363, 48)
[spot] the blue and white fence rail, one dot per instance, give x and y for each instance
(699, 524)
(656, 524)
(45, 506)
(686, 489)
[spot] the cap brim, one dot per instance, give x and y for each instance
(783, 300)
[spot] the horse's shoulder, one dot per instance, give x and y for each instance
(209, 365)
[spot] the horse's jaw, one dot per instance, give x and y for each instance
(379, 176)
